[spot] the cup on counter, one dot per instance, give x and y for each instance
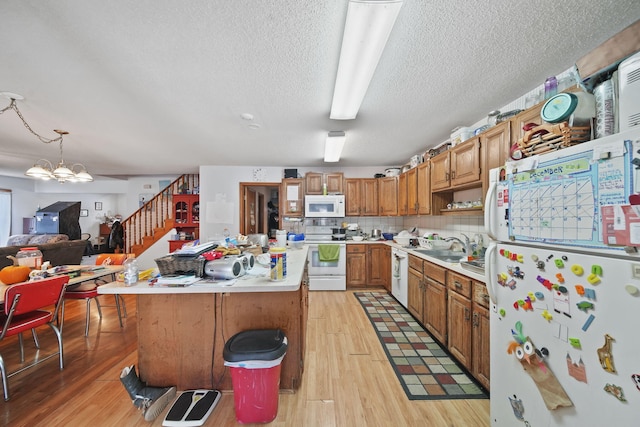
(281, 238)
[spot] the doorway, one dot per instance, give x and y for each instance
(259, 208)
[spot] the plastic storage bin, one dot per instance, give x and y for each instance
(31, 257)
(254, 358)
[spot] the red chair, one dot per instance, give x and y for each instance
(89, 291)
(28, 305)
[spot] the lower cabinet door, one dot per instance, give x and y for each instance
(459, 338)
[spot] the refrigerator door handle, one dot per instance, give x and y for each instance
(489, 276)
(489, 203)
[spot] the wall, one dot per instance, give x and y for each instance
(117, 196)
(219, 188)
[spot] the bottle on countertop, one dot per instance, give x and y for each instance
(550, 87)
(324, 189)
(130, 270)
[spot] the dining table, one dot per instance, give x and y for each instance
(105, 273)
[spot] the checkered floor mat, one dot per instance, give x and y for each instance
(424, 368)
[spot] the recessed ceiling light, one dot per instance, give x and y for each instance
(246, 116)
(254, 126)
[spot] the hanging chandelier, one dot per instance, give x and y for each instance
(43, 168)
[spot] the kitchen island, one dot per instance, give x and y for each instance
(182, 330)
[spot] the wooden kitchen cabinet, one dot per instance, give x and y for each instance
(370, 205)
(335, 182)
(427, 296)
(455, 310)
(435, 306)
(458, 167)
(186, 210)
(495, 142)
(530, 115)
(465, 163)
(408, 192)
(480, 359)
(368, 265)
(292, 197)
(388, 196)
(361, 196)
(440, 171)
(402, 194)
(379, 265)
(423, 188)
(459, 317)
(314, 182)
(186, 218)
(415, 289)
(356, 266)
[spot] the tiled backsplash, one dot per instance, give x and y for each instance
(445, 226)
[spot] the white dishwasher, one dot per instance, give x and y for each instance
(399, 275)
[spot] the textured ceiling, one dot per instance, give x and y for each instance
(159, 87)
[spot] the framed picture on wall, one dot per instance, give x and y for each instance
(144, 198)
(98, 206)
(84, 212)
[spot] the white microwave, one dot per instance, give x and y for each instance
(331, 206)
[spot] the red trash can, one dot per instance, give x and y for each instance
(254, 358)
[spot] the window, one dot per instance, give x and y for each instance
(5, 216)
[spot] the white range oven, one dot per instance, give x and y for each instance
(325, 275)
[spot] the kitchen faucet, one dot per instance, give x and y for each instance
(466, 244)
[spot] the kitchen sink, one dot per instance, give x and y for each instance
(442, 254)
(477, 265)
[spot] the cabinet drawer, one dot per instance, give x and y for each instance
(436, 272)
(480, 294)
(356, 249)
(415, 263)
(460, 284)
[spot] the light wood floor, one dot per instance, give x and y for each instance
(347, 380)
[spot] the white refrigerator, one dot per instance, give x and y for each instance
(563, 274)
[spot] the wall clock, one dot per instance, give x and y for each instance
(259, 174)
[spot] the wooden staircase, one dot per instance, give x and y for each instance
(154, 219)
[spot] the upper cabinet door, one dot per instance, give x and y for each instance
(388, 195)
(353, 196)
(335, 182)
(361, 196)
(402, 194)
(440, 171)
(369, 200)
(412, 191)
(423, 190)
(292, 197)
(465, 163)
(313, 182)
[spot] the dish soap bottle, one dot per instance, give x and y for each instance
(130, 270)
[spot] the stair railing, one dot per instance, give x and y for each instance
(154, 218)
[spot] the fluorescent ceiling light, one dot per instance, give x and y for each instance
(366, 32)
(333, 146)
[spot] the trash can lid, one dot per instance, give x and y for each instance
(262, 344)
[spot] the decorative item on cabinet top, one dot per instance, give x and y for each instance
(438, 149)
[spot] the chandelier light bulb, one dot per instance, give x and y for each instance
(43, 169)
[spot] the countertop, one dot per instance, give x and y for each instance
(454, 266)
(256, 281)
